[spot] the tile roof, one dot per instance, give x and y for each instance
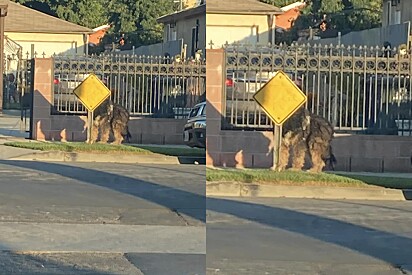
(23, 19)
(286, 19)
(240, 7)
(187, 13)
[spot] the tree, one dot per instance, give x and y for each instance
(88, 13)
(40, 5)
(341, 15)
(138, 21)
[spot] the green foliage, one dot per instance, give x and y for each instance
(139, 19)
(88, 13)
(40, 5)
(279, 3)
(343, 16)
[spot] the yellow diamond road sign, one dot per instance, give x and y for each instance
(280, 98)
(92, 92)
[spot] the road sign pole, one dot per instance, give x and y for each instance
(90, 124)
(277, 140)
(280, 90)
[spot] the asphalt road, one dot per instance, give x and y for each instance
(305, 236)
(96, 218)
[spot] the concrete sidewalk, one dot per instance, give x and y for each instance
(256, 190)
(11, 125)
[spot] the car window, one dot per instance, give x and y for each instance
(194, 112)
(204, 110)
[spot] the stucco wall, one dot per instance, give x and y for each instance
(184, 30)
(49, 43)
(405, 7)
(218, 26)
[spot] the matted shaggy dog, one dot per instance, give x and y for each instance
(307, 133)
(110, 117)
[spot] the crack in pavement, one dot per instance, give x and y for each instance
(181, 217)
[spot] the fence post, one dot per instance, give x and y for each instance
(215, 80)
(42, 98)
(3, 14)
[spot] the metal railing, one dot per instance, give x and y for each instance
(358, 89)
(146, 86)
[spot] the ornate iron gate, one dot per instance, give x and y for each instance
(358, 89)
(25, 90)
(17, 85)
(145, 85)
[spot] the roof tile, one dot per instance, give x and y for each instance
(23, 19)
(240, 6)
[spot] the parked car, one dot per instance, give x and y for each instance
(194, 134)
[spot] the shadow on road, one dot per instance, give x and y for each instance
(172, 198)
(391, 248)
(371, 205)
(46, 263)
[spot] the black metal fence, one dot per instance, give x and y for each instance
(358, 89)
(17, 80)
(146, 86)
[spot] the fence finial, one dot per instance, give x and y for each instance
(211, 44)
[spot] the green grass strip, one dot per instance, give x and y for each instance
(303, 178)
(107, 148)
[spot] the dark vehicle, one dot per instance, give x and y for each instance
(174, 96)
(387, 99)
(194, 134)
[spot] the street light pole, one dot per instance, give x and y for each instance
(3, 14)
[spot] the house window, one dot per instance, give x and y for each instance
(255, 33)
(171, 32)
(173, 36)
(389, 13)
(397, 17)
(197, 33)
(193, 48)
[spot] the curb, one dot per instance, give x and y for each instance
(238, 189)
(92, 157)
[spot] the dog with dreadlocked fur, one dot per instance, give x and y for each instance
(306, 133)
(110, 117)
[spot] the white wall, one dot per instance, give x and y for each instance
(49, 43)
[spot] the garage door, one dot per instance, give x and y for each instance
(222, 34)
